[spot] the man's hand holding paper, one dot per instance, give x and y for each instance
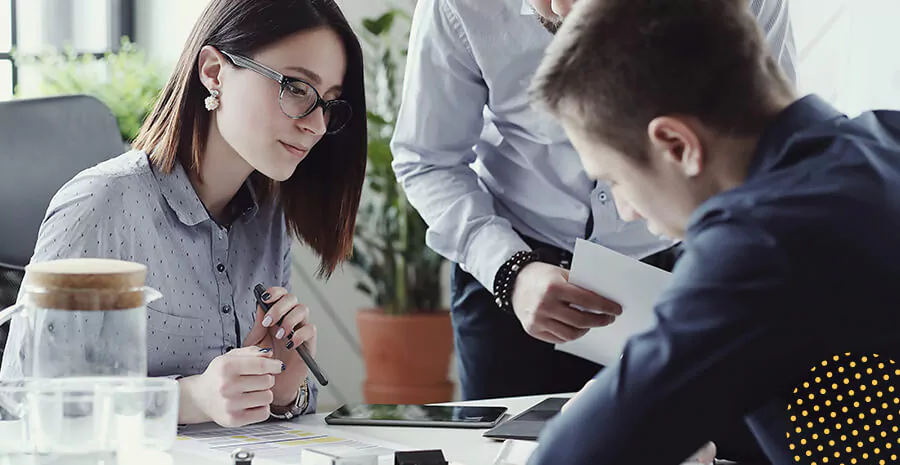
(634, 284)
(543, 300)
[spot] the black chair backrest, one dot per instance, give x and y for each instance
(43, 143)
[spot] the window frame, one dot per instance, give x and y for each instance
(6, 55)
(122, 17)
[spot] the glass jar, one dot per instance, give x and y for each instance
(81, 317)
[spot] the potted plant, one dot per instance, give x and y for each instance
(127, 81)
(407, 339)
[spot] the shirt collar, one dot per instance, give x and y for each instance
(773, 144)
(246, 201)
(179, 193)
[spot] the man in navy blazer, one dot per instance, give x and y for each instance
(789, 212)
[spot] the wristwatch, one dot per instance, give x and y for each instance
(294, 409)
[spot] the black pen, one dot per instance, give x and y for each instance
(258, 291)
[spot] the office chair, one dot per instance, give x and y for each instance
(847, 411)
(43, 143)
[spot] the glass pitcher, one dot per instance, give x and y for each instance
(79, 317)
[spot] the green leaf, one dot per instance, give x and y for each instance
(381, 25)
(375, 118)
(380, 154)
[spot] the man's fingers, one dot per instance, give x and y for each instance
(548, 337)
(562, 330)
(581, 319)
(574, 295)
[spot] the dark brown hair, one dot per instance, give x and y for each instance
(320, 200)
(617, 64)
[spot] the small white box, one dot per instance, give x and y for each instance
(337, 456)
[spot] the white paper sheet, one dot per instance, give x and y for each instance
(631, 283)
(276, 442)
(515, 452)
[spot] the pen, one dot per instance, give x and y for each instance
(258, 291)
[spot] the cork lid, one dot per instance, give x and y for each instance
(85, 284)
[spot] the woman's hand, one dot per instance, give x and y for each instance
(235, 390)
(284, 338)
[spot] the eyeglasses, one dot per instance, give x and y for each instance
(299, 98)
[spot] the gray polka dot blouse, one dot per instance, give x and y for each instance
(124, 209)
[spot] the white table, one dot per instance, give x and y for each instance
(465, 446)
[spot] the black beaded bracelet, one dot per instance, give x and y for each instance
(505, 279)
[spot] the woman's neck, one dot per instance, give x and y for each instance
(223, 172)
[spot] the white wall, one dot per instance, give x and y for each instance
(846, 52)
(162, 26)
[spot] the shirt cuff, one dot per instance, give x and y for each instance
(313, 397)
(488, 249)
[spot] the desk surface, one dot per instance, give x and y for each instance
(465, 446)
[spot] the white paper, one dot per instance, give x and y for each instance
(515, 452)
(277, 442)
(633, 284)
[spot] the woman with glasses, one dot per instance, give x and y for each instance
(258, 138)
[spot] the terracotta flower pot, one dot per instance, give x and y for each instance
(407, 357)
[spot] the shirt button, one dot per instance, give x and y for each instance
(603, 196)
(226, 309)
(220, 267)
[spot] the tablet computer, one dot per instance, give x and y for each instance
(416, 415)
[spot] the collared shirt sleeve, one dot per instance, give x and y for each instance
(313, 396)
(439, 123)
(728, 336)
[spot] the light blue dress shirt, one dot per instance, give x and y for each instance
(480, 163)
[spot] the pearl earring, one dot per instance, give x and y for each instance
(212, 102)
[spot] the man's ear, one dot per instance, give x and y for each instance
(675, 141)
(210, 63)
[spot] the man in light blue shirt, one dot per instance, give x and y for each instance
(504, 193)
